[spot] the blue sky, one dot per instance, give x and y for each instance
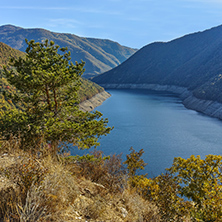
(132, 23)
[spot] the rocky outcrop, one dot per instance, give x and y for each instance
(210, 108)
(97, 100)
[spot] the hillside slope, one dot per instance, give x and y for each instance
(190, 66)
(87, 90)
(5, 53)
(193, 62)
(100, 55)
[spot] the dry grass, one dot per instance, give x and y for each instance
(41, 188)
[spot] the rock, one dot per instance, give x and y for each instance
(82, 202)
(95, 101)
(99, 185)
(210, 108)
(123, 211)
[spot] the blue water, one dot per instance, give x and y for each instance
(158, 123)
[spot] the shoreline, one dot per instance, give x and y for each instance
(95, 101)
(207, 107)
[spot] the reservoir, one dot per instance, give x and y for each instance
(158, 123)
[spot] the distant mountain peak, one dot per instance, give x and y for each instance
(100, 55)
(8, 28)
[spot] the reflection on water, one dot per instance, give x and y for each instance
(158, 123)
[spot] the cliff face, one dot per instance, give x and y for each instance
(208, 107)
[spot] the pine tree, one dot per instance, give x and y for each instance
(47, 84)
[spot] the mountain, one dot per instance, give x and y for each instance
(190, 66)
(87, 90)
(6, 52)
(100, 55)
(193, 61)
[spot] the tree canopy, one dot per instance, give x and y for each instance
(47, 85)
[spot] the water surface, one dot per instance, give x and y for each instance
(158, 123)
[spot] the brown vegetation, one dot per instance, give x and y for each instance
(42, 186)
(39, 187)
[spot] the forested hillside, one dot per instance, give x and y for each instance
(6, 52)
(87, 90)
(193, 61)
(100, 55)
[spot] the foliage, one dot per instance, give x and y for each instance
(47, 82)
(94, 187)
(88, 89)
(6, 52)
(106, 170)
(134, 161)
(27, 173)
(200, 180)
(193, 178)
(100, 55)
(163, 191)
(62, 194)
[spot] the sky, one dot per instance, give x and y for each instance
(133, 23)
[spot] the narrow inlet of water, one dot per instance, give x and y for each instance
(158, 123)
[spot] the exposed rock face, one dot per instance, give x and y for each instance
(210, 108)
(95, 101)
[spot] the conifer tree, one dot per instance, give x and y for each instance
(47, 84)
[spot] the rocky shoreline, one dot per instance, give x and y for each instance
(208, 107)
(92, 103)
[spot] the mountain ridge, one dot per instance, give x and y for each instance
(87, 91)
(193, 61)
(99, 54)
